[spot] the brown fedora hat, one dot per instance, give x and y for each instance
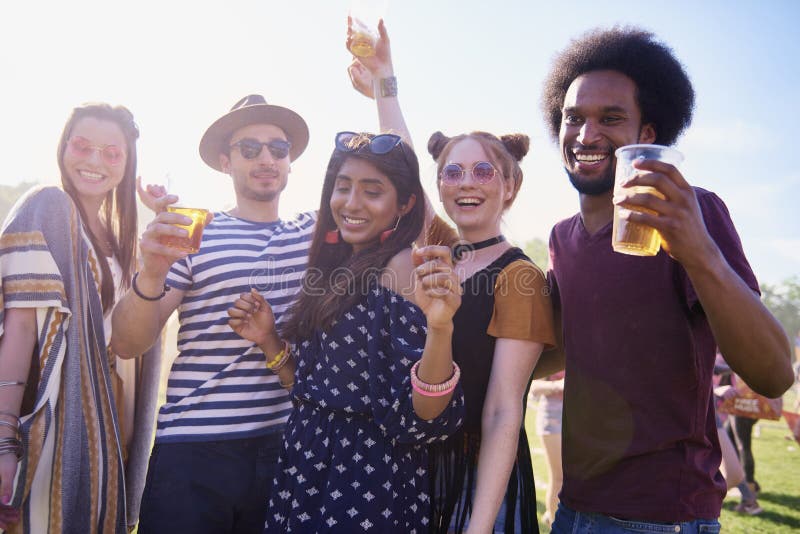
(252, 109)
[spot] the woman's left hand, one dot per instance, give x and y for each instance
(437, 289)
(251, 317)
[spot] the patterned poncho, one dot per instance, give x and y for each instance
(70, 478)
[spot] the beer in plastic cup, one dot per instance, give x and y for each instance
(191, 243)
(629, 237)
(365, 15)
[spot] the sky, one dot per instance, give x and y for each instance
(461, 65)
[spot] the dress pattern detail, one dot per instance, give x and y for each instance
(355, 456)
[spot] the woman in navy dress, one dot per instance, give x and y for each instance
(371, 334)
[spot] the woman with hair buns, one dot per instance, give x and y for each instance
(484, 473)
(484, 478)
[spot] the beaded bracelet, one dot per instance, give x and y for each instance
(142, 295)
(434, 390)
(280, 359)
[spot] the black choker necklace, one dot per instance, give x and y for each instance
(460, 249)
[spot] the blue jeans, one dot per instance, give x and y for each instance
(209, 487)
(569, 521)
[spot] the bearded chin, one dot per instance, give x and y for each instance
(594, 187)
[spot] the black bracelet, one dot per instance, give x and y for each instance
(144, 297)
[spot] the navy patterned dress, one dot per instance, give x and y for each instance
(354, 457)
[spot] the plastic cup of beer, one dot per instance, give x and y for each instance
(365, 15)
(199, 217)
(190, 243)
(629, 237)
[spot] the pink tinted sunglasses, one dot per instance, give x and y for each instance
(83, 148)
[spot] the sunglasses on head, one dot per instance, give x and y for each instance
(83, 148)
(483, 172)
(251, 148)
(379, 144)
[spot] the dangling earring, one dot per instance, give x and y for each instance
(387, 233)
(332, 237)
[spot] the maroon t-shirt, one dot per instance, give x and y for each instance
(639, 434)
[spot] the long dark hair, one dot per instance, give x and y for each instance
(118, 211)
(336, 279)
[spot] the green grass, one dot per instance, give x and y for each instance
(777, 471)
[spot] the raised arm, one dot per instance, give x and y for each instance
(374, 77)
(141, 313)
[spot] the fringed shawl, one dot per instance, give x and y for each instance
(70, 478)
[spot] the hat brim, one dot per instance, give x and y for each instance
(214, 141)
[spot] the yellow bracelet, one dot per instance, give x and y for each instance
(280, 359)
(274, 361)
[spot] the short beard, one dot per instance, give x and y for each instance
(251, 194)
(259, 197)
(593, 187)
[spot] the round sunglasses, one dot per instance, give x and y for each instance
(483, 172)
(251, 148)
(83, 148)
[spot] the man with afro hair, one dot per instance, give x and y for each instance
(640, 447)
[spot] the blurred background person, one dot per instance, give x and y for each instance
(549, 406)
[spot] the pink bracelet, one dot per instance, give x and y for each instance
(434, 390)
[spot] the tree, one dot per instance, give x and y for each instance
(783, 300)
(9, 195)
(537, 250)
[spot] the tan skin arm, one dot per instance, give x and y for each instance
(136, 322)
(430, 286)
(251, 317)
(433, 286)
(366, 74)
(752, 341)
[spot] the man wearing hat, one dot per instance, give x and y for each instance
(219, 432)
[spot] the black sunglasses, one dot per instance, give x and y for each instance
(251, 148)
(379, 144)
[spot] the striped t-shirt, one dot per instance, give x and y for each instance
(219, 387)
